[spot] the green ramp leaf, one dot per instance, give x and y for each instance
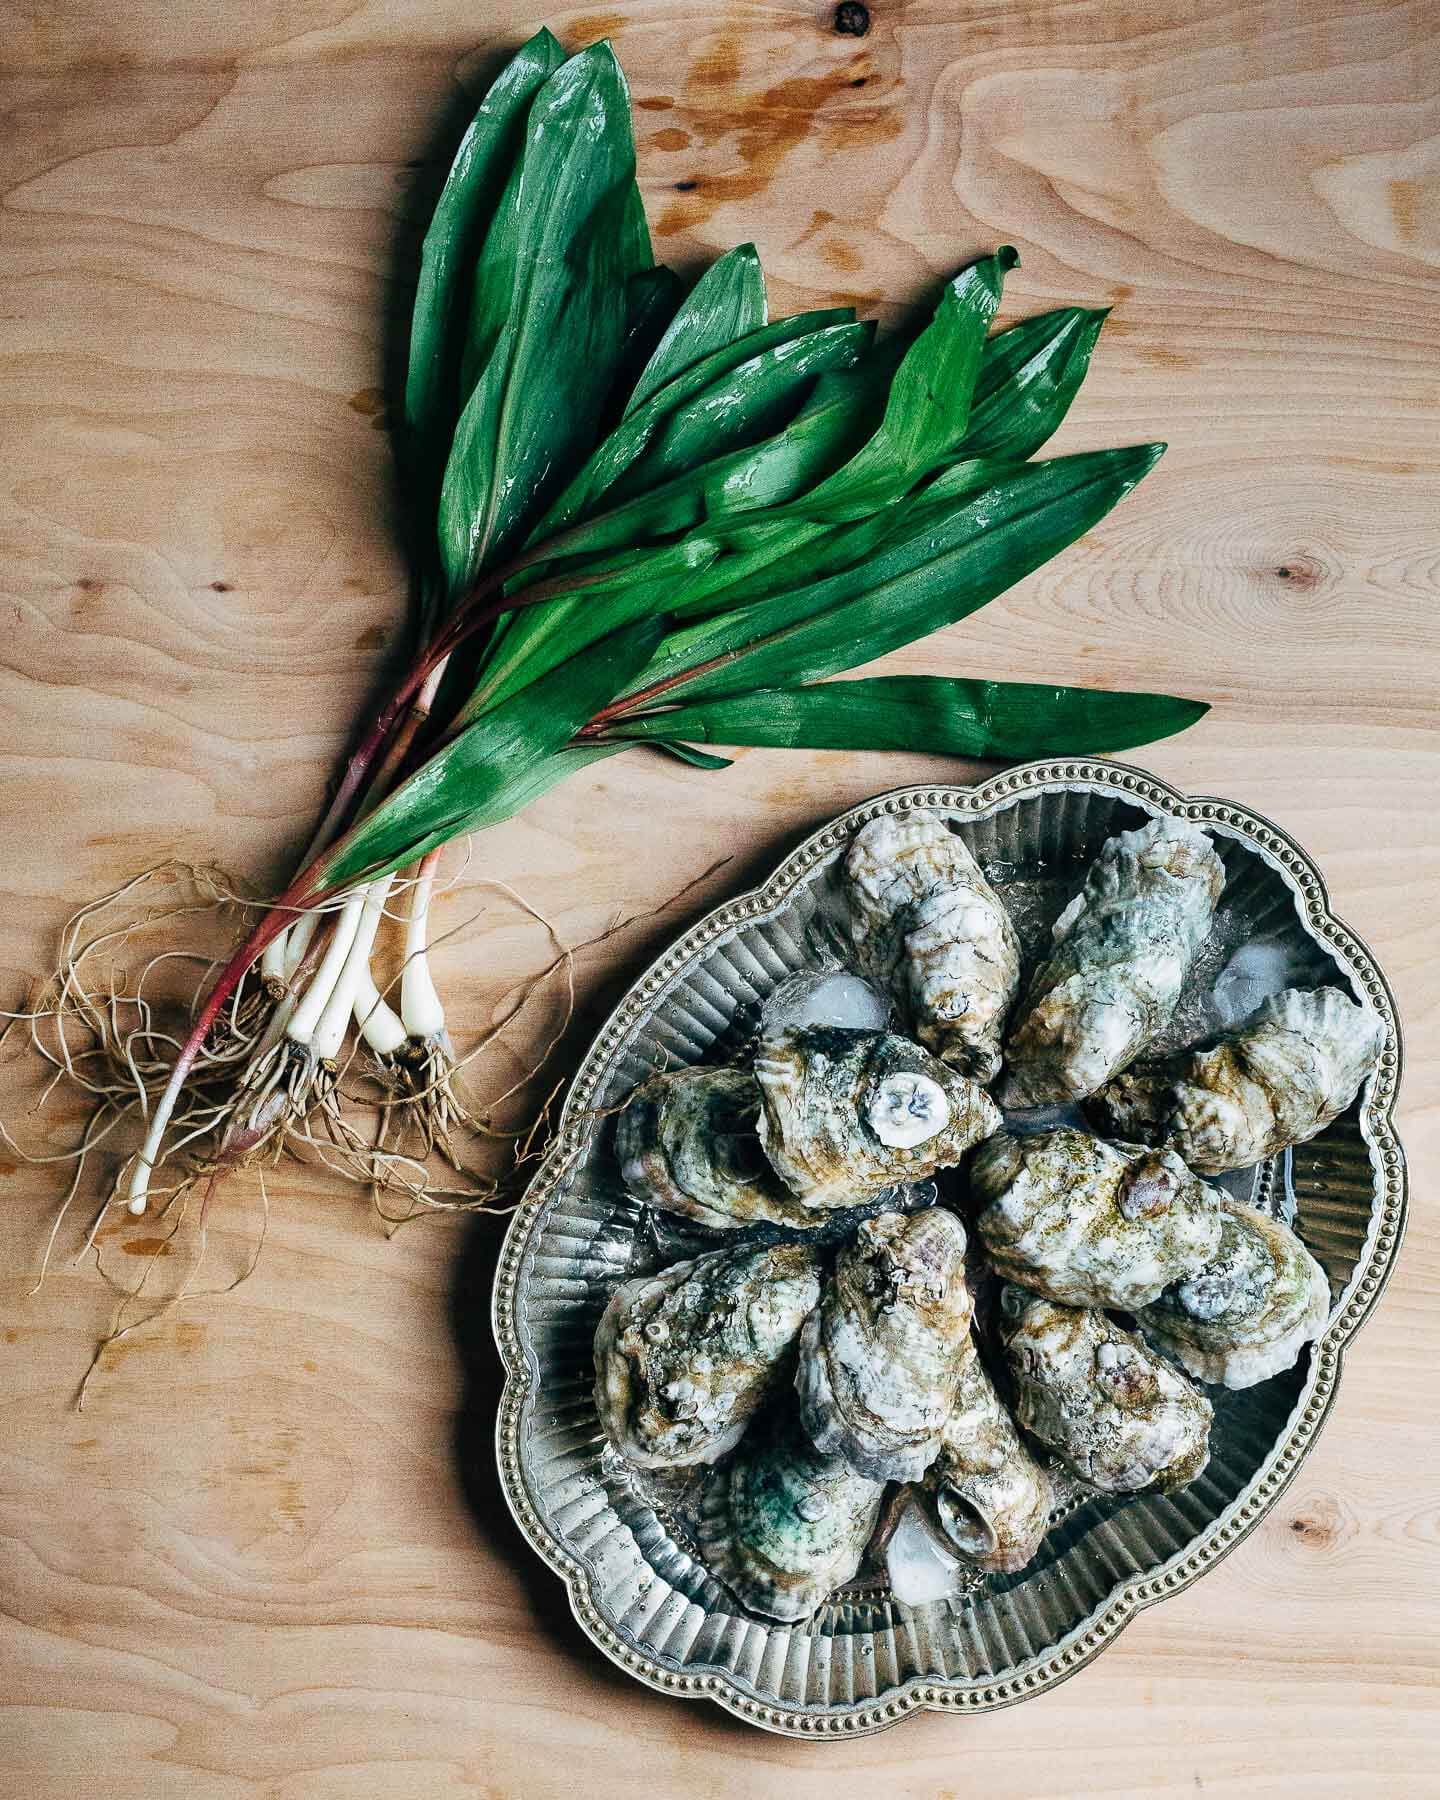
(1003, 719)
(727, 302)
(452, 244)
(579, 238)
(1028, 377)
(955, 563)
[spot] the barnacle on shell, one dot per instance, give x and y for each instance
(926, 922)
(789, 1523)
(684, 1358)
(1278, 1078)
(989, 1495)
(881, 1357)
(1250, 1311)
(1114, 1411)
(846, 1114)
(1091, 1223)
(1122, 950)
(687, 1143)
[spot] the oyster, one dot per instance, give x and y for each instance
(1091, 1223)
(1282, 1075)
(991, 1499)
(687, 1143)
(928, 924)
(1249, 1312)
(787, 1524)
(684, 1358)
(882, 1355)
(1114, 1412)
(846, 1114)
(1122, 950)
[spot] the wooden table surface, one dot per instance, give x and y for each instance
(270, 1557)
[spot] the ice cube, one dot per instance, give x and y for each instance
(919, 1566)
(824, 997)
(1255, 972)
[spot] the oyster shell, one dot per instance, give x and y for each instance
(1122, 950)
(687, 1143)
(926, 921)
(881, 1357)
(1091, 1223)
(990, 1497)
(846, 1114)
(1247, 1314)
(1278, 1078)
(788, 1524)
(684, 1358)
(1116, 1414)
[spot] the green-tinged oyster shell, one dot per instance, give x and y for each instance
(927, 923)
(990, 1497)
(684, 1358)
(687, 1143)
(881, 1359)
(1279, 1077)
(1122, 950)
(789, 1524)
(1115, 1412)
(845, 1114)
(1091, 1223)
(1248, 1314)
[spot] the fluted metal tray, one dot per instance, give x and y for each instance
(622, 1543)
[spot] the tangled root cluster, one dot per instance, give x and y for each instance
(408, 1131)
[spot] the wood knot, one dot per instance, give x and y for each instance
(1319, 1525)
(852, 19)
(1302, 573)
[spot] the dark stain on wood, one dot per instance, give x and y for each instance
(146, 1246)
(758, 129)
(591, 27)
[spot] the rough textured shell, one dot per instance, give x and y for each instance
(927, 923)
(1116, 1413)
(1251, 1311)
(990, 1497)
(1279, 1078)
(1122, 950)
(880, 1361)
(1092, 1223)
(792, 1524)
(684, 1358)
(687, 1143)
(818, 1086)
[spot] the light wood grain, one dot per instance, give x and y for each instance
(270, 1558)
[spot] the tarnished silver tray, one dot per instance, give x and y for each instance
(866, 1661)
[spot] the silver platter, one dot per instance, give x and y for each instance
(865, 1661)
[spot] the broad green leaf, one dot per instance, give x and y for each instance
(727, 302)
(750, 403)
(484, 772)
(1028, 377)
(1003, 719)
(629, 440)
(579, 240)
(928, 406)
(651, 298)
(452, 243)
(927, 579)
